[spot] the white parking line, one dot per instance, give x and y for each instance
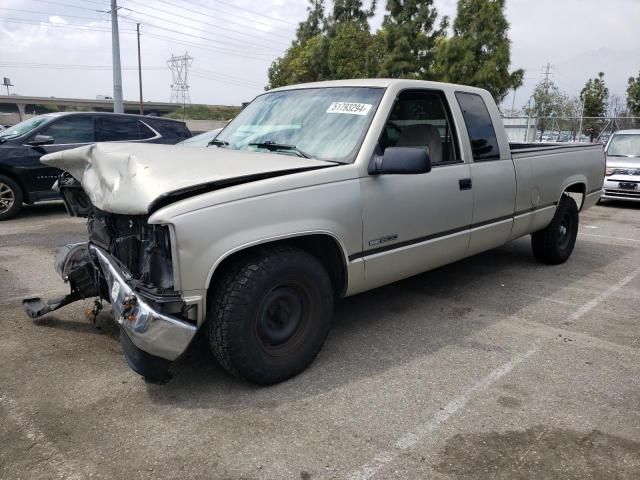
(412, 438)
(599, 298)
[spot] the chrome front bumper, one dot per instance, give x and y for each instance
(153, 332)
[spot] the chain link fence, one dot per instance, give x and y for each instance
(566, 129)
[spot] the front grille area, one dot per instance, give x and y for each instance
(143, 249)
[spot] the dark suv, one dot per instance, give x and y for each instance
(23, 179)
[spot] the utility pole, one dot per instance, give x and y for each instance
(118, 105)
(139, 69)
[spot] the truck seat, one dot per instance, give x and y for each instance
(422, 135)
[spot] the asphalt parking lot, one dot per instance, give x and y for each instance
(494, 367)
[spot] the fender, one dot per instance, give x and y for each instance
(276, 238)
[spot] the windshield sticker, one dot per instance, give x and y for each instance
(349, 108)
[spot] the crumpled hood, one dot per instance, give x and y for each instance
(128, 178)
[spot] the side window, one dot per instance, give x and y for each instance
(420, 119)
(114, 129)
(484, 143)
(71, 130)
(145, 132)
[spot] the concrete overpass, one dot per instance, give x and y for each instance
(20, 102)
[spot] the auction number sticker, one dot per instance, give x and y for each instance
(349, 108)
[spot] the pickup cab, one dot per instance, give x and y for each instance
(313, 193)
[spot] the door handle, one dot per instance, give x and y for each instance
(465, 183)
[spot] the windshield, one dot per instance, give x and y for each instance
(24, 127)
(323, 123)
(624, 145)
(201, 140)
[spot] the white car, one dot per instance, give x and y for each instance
(622, 178)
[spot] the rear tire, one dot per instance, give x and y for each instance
(11, 198)
(271, 313)
(555, 243)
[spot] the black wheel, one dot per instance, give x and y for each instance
(554, 244)
(270, 314)
(10, 198)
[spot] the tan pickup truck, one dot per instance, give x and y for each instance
(313, 193)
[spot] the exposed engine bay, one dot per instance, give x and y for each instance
(142, 250)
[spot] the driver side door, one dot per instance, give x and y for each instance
(413, 223)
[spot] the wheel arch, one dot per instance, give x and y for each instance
(323, 245)
(577, 186)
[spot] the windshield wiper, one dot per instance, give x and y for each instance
(218, 143)
(274, 147)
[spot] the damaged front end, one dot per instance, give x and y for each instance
(128, 263)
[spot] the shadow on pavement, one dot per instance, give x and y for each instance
(391, 326)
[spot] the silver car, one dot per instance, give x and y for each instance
(622, 177)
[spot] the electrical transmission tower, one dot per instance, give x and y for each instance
(179, 67)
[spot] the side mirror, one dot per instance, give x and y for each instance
(40, 140)
(401, 161)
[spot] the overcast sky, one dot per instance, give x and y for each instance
(232, 43)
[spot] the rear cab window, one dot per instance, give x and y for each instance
(482, 134)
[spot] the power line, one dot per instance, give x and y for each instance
(205, 74)
(200, 12)
(254, 45)
(228, 82)
(251, 44)
(51, 2)
(61, 25)
(199, 71)
(71, 66)
(51, 14)
(245, 10)
(211, 24)
(221, 51)
(138, 20)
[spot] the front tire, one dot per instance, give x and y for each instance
(10, 198)
(271, 313)
(555, 243)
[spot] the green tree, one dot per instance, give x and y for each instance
(594, 97)
(314, 24)
(375, 54)
(517, 79)
(345, 56)
(306, 59)
(411, 38)
(301, 63)
(346, 11)
(548, 102)
(633, 96)
(478, 53)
